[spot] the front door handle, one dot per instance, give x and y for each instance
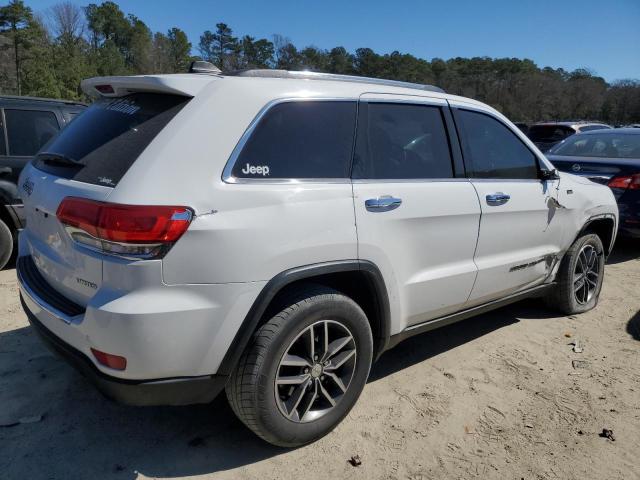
(497, 198)
(382, 204)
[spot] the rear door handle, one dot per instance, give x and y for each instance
(382, 204)
(497, 198)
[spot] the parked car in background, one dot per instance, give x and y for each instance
(610, 157)
(524, 128)
(546, 135)
(271, 233)
(26, 124)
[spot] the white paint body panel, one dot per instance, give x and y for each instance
(523, 231)
(424, 248)
(177, 316)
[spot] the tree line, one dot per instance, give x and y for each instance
(48, 54)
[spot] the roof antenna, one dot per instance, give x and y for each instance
(200, 66)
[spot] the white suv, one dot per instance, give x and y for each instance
(273, 233)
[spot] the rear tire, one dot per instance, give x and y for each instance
(580, 277)
(6, 244)
(315, 322)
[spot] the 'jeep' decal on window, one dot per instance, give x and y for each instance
(253, 170)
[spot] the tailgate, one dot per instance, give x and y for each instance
(74, 272)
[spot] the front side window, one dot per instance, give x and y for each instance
(492, 150)
(401, 141)
(304, 139)
(28, 130)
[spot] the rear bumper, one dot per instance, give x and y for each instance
(629, 221)
(170, 391)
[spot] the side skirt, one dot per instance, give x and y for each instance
(464, 314)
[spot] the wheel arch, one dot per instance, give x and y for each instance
(605, 227)
(360, 280)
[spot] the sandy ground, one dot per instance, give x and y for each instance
(492, 397)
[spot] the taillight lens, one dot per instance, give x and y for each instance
(105, 89)
(137, 231)
(630, 182)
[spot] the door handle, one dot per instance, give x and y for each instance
(382, 204)
(497, 198)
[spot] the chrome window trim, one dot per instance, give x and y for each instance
(410, 180)
(506, 180)
(417, 100)
(227, 173)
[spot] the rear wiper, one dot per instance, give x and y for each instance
(58, 160)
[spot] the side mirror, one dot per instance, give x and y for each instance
(549, 174)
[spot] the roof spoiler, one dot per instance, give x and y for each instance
(186, 85)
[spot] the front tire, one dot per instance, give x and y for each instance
(304, 369)
(580, 276)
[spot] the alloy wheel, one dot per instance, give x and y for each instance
(586, 274)
(315, 371)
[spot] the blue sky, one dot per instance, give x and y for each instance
(601, 35)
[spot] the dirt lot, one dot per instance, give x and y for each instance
(492, 397)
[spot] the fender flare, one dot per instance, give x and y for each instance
(276, 284)
(601, 216)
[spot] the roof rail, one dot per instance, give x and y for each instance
(269, 73)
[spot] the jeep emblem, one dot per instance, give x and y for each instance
(253, 170)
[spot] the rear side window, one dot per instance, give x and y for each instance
(492, 150)
(305, 139)
(401, 141)
(100, 145)
(28, 130)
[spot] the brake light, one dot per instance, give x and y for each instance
(631, 182)
(127, 230)
(105, 89)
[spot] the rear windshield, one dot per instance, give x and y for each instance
(604, 145)
(102, 143)
(549, 133)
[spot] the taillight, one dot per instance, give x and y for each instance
(630, 182)
(135, 231)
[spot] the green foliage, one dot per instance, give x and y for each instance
(219, 48)
(101, 39)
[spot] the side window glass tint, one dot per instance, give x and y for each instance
(493, 151)
(28, 130)
(304, 139)
(400, 141)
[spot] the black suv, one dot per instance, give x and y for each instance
(26, 124)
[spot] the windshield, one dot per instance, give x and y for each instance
(549, 133)
(608, 145)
